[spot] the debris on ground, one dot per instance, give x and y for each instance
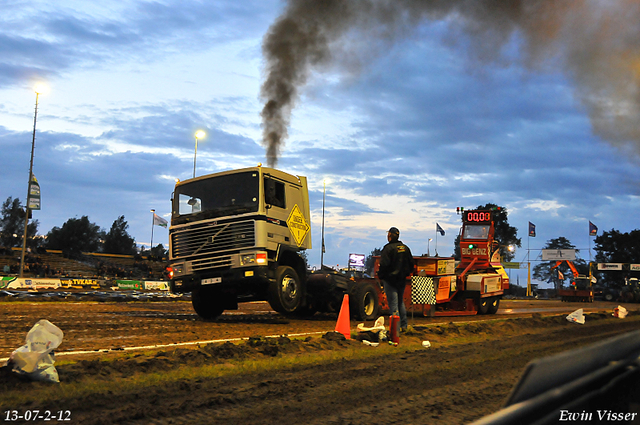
(372, 335)
(576, 317)
(620, 312)
(35, 359)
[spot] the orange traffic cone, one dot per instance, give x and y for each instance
(393, 328)
(344, 325)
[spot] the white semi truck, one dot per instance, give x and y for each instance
(237, 236)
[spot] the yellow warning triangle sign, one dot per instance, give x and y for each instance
(298, 225)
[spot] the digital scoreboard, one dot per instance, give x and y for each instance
(476, 216)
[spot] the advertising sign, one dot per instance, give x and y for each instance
(446, 267)
(156, 285)
(356, 260)
(34, 194)
(609, 266)
(558, 254)
(130, 284)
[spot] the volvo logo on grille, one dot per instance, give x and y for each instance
(210, 239)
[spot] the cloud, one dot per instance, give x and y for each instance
(45, 40)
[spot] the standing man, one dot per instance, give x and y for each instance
(396, 263)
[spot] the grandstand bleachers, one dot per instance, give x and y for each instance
(91, 265)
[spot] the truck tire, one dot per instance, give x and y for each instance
(608, 296)
(206, 304)
(286, 292)
(364, 303)
(494, 305)
(483, 305)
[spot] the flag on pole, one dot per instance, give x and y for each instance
(33, 201)
(593, 229)
(439, 229)
(532, 230)
(159, 221)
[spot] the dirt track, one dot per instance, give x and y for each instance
(465, 375)
(91, 325)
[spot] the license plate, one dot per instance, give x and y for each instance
(211, 281)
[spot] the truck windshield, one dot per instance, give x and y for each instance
(475, 231)
(216, 197)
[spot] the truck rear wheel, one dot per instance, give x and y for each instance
(494, 305)
(364, 302)
(483, 305)
(207, 303)
(285, 293)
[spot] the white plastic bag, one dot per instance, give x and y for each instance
(373, 335)
(576, 317)
(35, 358)
(377, 326)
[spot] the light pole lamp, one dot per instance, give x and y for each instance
(199, 135)
(38, 89)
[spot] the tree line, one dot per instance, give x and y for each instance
(76, 235)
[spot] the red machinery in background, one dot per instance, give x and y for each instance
(580, 289)
(474, 286)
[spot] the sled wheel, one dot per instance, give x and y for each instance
(483, 305)
(285, 293)
(364, 302)
(494, 305)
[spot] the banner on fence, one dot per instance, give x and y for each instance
(129, 284)
(156, 285)
(80, 283)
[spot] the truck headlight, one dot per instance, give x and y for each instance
(253, 259)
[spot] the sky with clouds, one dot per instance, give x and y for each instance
(405, 127)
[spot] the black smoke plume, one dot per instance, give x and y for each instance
(595, 43)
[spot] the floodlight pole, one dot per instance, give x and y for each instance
(324, 192)
(199, 134)
(195, 153)
(26, 209)
(529, 293)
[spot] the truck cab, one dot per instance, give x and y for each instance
(236, 236)
(480, 275)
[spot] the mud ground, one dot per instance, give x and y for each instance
(466, 373)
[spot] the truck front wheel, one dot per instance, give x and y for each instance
(207, 303)
(285, 293)
(364, 302)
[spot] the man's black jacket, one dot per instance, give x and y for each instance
(396, 263)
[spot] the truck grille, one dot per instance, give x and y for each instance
(214, 242)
